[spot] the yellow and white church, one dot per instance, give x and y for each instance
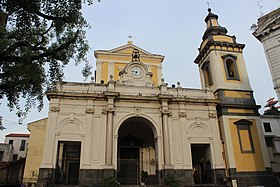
(130, 126)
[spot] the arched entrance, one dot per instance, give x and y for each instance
(137, 153)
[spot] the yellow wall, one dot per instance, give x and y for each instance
(222, 38)
(104, 70)
(246, 162)
(35, 150)
(122, 56)
(235, 110)
(118, 58)
(214, 22)
(116, 69)
(237, 94)
(155, 75)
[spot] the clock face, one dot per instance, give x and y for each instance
(136, 72)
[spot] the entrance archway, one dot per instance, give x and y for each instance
(137, 153)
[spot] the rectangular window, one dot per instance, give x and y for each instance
(22, 145)
(11, 142)
(267, 127)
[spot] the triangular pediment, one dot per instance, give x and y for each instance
(126, 51)
(128, 48)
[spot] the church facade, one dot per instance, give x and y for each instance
(130, 126)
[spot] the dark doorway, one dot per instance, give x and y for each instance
(135, 142)
(68, 163)
(201, 160)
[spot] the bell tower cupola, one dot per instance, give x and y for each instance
(212, 25)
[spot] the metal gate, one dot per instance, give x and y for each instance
(129, 171)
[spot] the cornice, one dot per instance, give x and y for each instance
(108, 53)
(206, 49)
(267, 24)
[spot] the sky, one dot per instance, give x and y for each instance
(172, 28)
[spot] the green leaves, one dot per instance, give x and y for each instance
(39, 34)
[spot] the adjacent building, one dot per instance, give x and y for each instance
(268, 33)
(271, 128)
(6, 152)
(35, 152)
(131, 126)
(19, 143)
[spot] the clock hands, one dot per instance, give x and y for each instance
(135, 72)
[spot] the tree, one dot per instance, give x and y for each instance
(40, 38)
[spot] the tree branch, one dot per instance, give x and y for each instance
(53, 52)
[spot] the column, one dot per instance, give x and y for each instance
(110, 109)
(109, 138)
(166, 143)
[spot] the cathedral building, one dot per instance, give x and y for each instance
(129, 125)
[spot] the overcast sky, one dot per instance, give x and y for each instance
(172, 28)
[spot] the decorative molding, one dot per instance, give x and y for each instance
(104, 110)
(137, 110)
(166, 112)
(183, 114)
(54, 109)
(212, 115)
(198, 121)
(108, 109)
(89, 110)
(72, 117)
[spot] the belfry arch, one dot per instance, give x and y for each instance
(137, 154)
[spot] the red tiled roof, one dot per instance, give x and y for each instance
(17, 135)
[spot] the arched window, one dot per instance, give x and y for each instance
(231, 67)
(207, 73)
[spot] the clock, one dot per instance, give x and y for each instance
(136, 72)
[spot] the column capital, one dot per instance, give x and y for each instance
(107, 109)
(165, 111)
(182, 114)
(89, 110)
(54, 109)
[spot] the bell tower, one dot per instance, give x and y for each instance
(220, 60)
(222, 70)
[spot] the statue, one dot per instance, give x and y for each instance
(135, 55)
